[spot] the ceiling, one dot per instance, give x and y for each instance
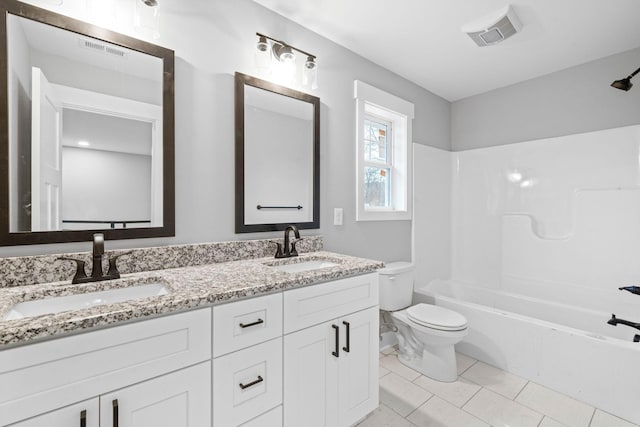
(421, 39)
(71, 46)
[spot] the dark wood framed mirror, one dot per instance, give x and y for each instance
(86, 131)
(277, 154)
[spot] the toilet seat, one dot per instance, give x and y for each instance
(436, 317)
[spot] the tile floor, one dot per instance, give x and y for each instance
(482, 396)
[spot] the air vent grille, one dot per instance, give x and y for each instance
(100, 47)
(92, 45)
(499, 27)
(116, 52)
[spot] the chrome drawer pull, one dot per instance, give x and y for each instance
(252, 383)
(257, 322)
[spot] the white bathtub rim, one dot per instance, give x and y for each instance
(551, 325)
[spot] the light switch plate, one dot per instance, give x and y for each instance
(337, 216)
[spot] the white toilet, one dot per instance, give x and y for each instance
(426, 333)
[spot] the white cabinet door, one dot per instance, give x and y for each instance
(328, 382)
(310, 377)
(179, 399)
(358, 377)
(83, 414)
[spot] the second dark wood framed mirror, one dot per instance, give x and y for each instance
(277, 151)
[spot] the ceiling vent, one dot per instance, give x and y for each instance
(493, 28)
(100, 47)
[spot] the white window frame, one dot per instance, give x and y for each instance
(378, 104)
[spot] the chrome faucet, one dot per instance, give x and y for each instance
(289, 249)
(97, 274)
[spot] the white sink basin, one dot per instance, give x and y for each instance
(300, 267)
(85, 300)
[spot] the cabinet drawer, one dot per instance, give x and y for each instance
(247, 383)
(312, 305)
(40, 377)
(244, 323)
(273, 418)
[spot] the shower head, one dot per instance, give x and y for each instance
(625, 84)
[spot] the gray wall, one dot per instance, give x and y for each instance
(212, 40)
(575, 100)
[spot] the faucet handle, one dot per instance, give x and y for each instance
(294, 252)
(279, 253)
(81, 274)
(113, 272)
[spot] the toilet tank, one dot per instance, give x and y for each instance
(396, 285)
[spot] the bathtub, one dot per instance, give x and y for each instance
(568, 348)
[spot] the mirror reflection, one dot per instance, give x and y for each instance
(278, 131)
(85, 131)
(277, 137)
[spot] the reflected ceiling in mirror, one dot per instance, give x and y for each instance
(277, 157)
(89, 136)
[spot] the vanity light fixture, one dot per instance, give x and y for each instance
(283, 53)
(262, 45)
(310, 73)
(625, 84)
(270, 49)
(146, 19)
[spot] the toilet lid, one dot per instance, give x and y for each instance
(436, 317)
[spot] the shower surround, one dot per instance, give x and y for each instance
(554, 223)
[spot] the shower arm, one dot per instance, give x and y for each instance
(633, 74)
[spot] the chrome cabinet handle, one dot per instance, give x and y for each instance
(114, 403)
(83, 418)
(336, 329)
(252, 383)
(247, 325)
(348, 346)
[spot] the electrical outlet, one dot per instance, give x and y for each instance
(337, 216)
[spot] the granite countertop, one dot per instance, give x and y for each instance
(188, 288)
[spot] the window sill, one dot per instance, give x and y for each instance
(371, 215)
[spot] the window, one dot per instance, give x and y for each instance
(383, 138)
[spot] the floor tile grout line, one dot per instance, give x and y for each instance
(468, 367)
(475, 416)
(593, 408)
(517, 403)
(419, 406)
(521, 390)
(593, 414)
(474, 395)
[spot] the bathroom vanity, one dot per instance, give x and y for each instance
(258, 342)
